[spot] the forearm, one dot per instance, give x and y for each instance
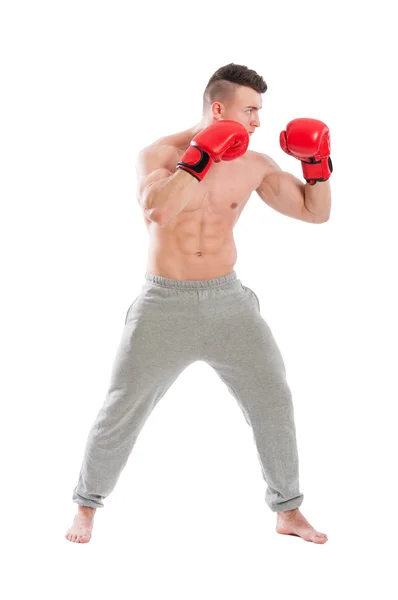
(318, 200)
(167, 198)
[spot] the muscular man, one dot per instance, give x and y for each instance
(192, 188)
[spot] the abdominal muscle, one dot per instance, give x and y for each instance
(191, 250)
(198, 243)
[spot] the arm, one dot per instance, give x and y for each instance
(160, 190)
(286, 194)
(162, 194)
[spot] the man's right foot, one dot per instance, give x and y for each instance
(82, 526)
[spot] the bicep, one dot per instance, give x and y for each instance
(153, 165)
(145, 181)
(283, 192)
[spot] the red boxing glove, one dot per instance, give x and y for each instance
(222, 140)
(308, 140)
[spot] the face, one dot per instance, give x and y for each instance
(243, 108)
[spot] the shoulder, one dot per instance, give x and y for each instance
(168, 144)
(264, 162)
(266, 170)
(160, 153)
(161, 147)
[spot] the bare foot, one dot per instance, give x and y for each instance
(292, 522)
(82, 526)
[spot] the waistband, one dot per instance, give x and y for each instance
(194, 284)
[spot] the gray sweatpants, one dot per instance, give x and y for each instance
(170, 325)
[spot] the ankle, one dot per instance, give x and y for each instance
(86, 510)
(287, 513)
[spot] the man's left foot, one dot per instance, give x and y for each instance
(292, 522)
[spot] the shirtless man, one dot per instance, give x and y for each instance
(192, 188)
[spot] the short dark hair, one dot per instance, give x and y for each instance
(222, 84)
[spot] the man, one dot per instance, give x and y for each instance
(192, 188)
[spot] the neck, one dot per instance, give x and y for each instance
(202, 124)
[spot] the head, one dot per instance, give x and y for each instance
(234, 92)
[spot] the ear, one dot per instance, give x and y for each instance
(217, 110)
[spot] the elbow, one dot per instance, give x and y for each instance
(154, 215)
(150, 212)
(317, 219)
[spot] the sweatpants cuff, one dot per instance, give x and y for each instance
(85, 502)
(288, 504)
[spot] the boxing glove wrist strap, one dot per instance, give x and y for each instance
(317, 170)
(196, 162)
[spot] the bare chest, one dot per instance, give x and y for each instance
(226, 189)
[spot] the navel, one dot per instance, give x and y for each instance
(199, 254)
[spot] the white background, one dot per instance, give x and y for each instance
(85, 85)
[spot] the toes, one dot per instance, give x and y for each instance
(78, 538)
(74, 537)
